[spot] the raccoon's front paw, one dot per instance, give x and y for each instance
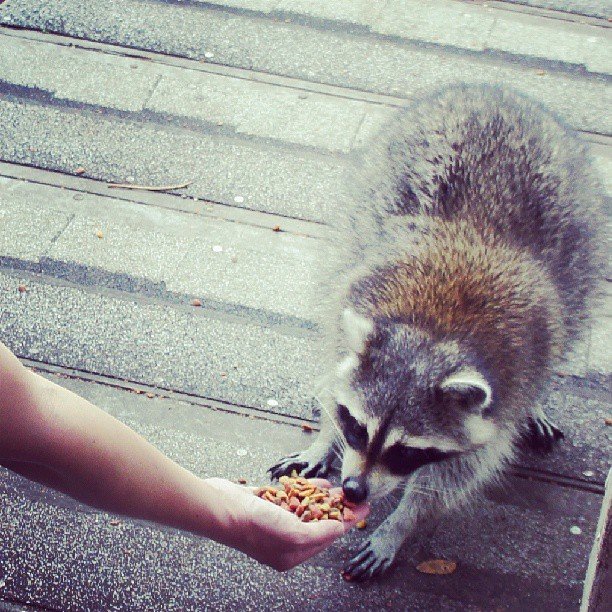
(305, 464)
(373, 559)
(542, 434)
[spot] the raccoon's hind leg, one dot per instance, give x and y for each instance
(541, 434)
(314, 462)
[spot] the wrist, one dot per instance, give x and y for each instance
(227, 517)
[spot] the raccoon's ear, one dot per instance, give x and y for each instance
(467, 388)
(357, 329)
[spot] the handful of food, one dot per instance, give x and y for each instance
(306, 500)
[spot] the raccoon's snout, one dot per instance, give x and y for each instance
(355, 490)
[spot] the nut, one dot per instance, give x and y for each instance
(307, 501)
(348, 514)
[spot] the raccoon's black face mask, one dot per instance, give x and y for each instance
(403, 404)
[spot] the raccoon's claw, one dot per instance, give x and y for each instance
(367, 563)
(542, 434)
(285, 466)
(301, 465)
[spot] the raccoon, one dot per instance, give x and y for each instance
(462, 273)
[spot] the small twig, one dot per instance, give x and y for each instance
(148, 187)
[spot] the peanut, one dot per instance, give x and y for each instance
(307, 501)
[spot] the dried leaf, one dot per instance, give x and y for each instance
(440, 567)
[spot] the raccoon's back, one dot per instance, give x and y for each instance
(494, 158)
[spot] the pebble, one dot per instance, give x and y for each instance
(272, 403)
(588, 473)
(217, 248)
(242, 452)
(209, 55)
(239, 199)
(575, 530)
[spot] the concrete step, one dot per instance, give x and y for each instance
(500, 547)
(148, 249)
(67, 119)
(223, 169)
(354, 58)
(95, 241)
(237, 105)
(592, 8)
(365, 13)
(480, 27)
(237, 357)
(474, 26)
(219, 353)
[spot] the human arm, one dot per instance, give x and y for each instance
(55, 437)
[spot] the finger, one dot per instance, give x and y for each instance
(315, 550)
(320, 482)
(321, 533)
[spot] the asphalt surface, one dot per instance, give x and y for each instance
(256, 106)
(501, 546)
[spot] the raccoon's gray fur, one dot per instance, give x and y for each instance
(464, 267)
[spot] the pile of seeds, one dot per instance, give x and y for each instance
(306, 500)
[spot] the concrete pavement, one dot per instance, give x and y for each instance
(125, 565)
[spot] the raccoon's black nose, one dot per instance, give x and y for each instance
(355, 490)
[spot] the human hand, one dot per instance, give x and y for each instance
(271, 535)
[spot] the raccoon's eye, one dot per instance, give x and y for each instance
(401, 460)
(355, 433)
